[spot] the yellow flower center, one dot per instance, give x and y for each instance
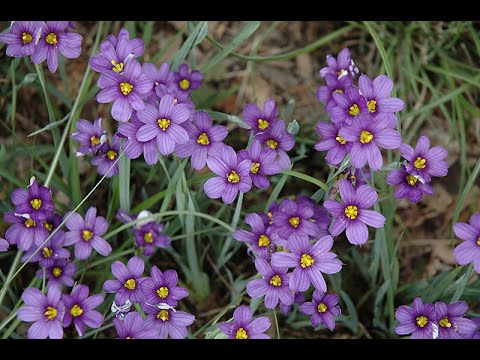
(351, 212)
(163, 124)
(411, 180)
(51, 313)
(445, 323)
(421, 321)
(163, 315)
(478, 241)
(233, 177)
(94, 140)
(130, 284)
(117, 67)
(354, 110)
(322, 308)
(341, 140)
(241, 334)
(366, 137)
(128, 337)
(294, 221)
(263, 240)
(126, 88)
(420, 163)
(306, 261)
(57, 272)
(76, 311)
(162, 292)
(272, 144)
(148, 237)
(29, 223)
(203, 139)
(36, 203)
(51, 39)
(255, 167)
(111, 155)
(339, 91)
(26, 37)
(276, 281)
(48, 226)
(184, 84)
(46, 252)
(87, 235)
(263, 124)
(372, 106)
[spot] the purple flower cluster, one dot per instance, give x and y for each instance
(42, 41)
(412, 180)
(93, 140)
(363, 118)
(148, 234)
(243, 327)
(432, 321)
(52, 312)
(158, 296)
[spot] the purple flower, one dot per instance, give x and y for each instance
(233, 175)
(423, 161)
(179, 97)
(408, 185)
(263, 163)
(340, 67)
(80, 309)
(168, 321)
(274, 284)
(55, 38)
(51, 251)
(115, 54)
(331, 141)
(377, 94)
(24, 232)
(46, 313)
(163, 124)
(352, 213)
(128, 284)
(60, 273)
(257, 119)
(260, 239)
(3, 245)
(149, 236)
(417, 320)
(162, 76)
(52, 222)
(188, 81)
(348, 106)
(89, 136)
(469, 250)
(134, 148)
(126, 90)
(36, 201)
(163, 288)
(309, 261)
(294, 219)
(87, 234)
(476, 333)
(133, 327)
(21, 38)
(204, 137)
(277, 138)
(243, 327)
(334, 85)
(323, 309)
(451, 323)
(106, 157)
(367, 135)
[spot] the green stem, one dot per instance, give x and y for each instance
(276, 323)
(10, 276)
(228, 241)
(306, 178)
